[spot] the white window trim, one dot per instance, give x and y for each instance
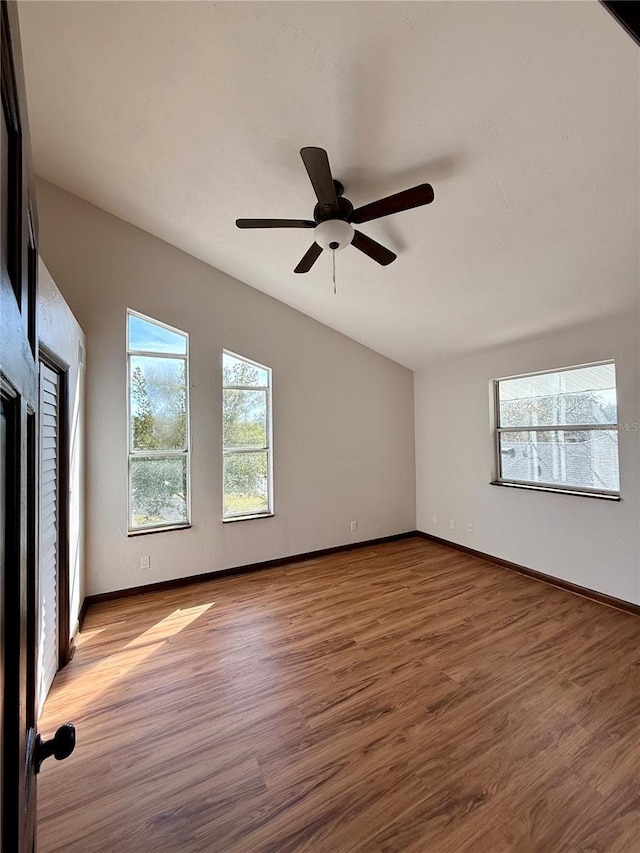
(498, 430)
(268, 448)
(131, 453)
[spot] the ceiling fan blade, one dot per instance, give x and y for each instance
(374, 250)
(311, 256)
(275, 223)
(405, 200)
(317, 165)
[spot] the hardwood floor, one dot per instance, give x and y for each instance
(404, 697)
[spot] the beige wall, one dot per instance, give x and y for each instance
(343, 415)
(594, 543)
(61, 336)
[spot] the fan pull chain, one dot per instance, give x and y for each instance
(333, 252)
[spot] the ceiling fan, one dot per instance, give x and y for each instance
(333, 215)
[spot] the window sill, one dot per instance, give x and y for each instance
(248, 517)
(144, 531)
(530, 487)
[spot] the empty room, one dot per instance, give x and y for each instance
(320, 436)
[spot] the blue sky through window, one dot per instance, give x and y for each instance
(150, 337)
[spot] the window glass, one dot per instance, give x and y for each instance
(237, 371)
(146, 336)
(559, 429)
(586, 395)
(245, 418)
(246, 437)
(586, 458)
(158, 403)
(246, 488)
(158, 392)
(158, 490)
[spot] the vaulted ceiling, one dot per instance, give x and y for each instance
(180, 117)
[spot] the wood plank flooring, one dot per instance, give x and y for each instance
(404, 697)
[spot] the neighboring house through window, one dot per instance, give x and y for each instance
(247, 442)
(559, 430)
(158, 414)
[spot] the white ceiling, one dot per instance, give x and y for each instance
(181, 117)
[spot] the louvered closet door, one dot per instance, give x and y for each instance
(49, 532)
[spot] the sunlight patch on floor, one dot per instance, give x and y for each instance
(170, 625)
(103, 677)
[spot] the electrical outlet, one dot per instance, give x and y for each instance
(145, 562)
(470, 527)
(434, 518)
(452, 524)
(354, 526)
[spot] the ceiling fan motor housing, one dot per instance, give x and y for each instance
(333, 234)
(330, 211)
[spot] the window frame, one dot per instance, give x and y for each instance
(268, 448)
(162, 454)
(498, 430)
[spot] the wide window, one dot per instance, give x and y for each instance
(246, 435)
(559, 430)
(158, 380)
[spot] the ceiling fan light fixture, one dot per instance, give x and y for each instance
(333, 234)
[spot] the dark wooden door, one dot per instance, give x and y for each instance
(21, 748)
(19, 393)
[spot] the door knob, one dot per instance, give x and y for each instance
(61, 745)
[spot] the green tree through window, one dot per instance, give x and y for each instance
(142, 418)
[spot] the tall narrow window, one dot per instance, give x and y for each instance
(247, 490)
(158, 379)
(559, 430)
